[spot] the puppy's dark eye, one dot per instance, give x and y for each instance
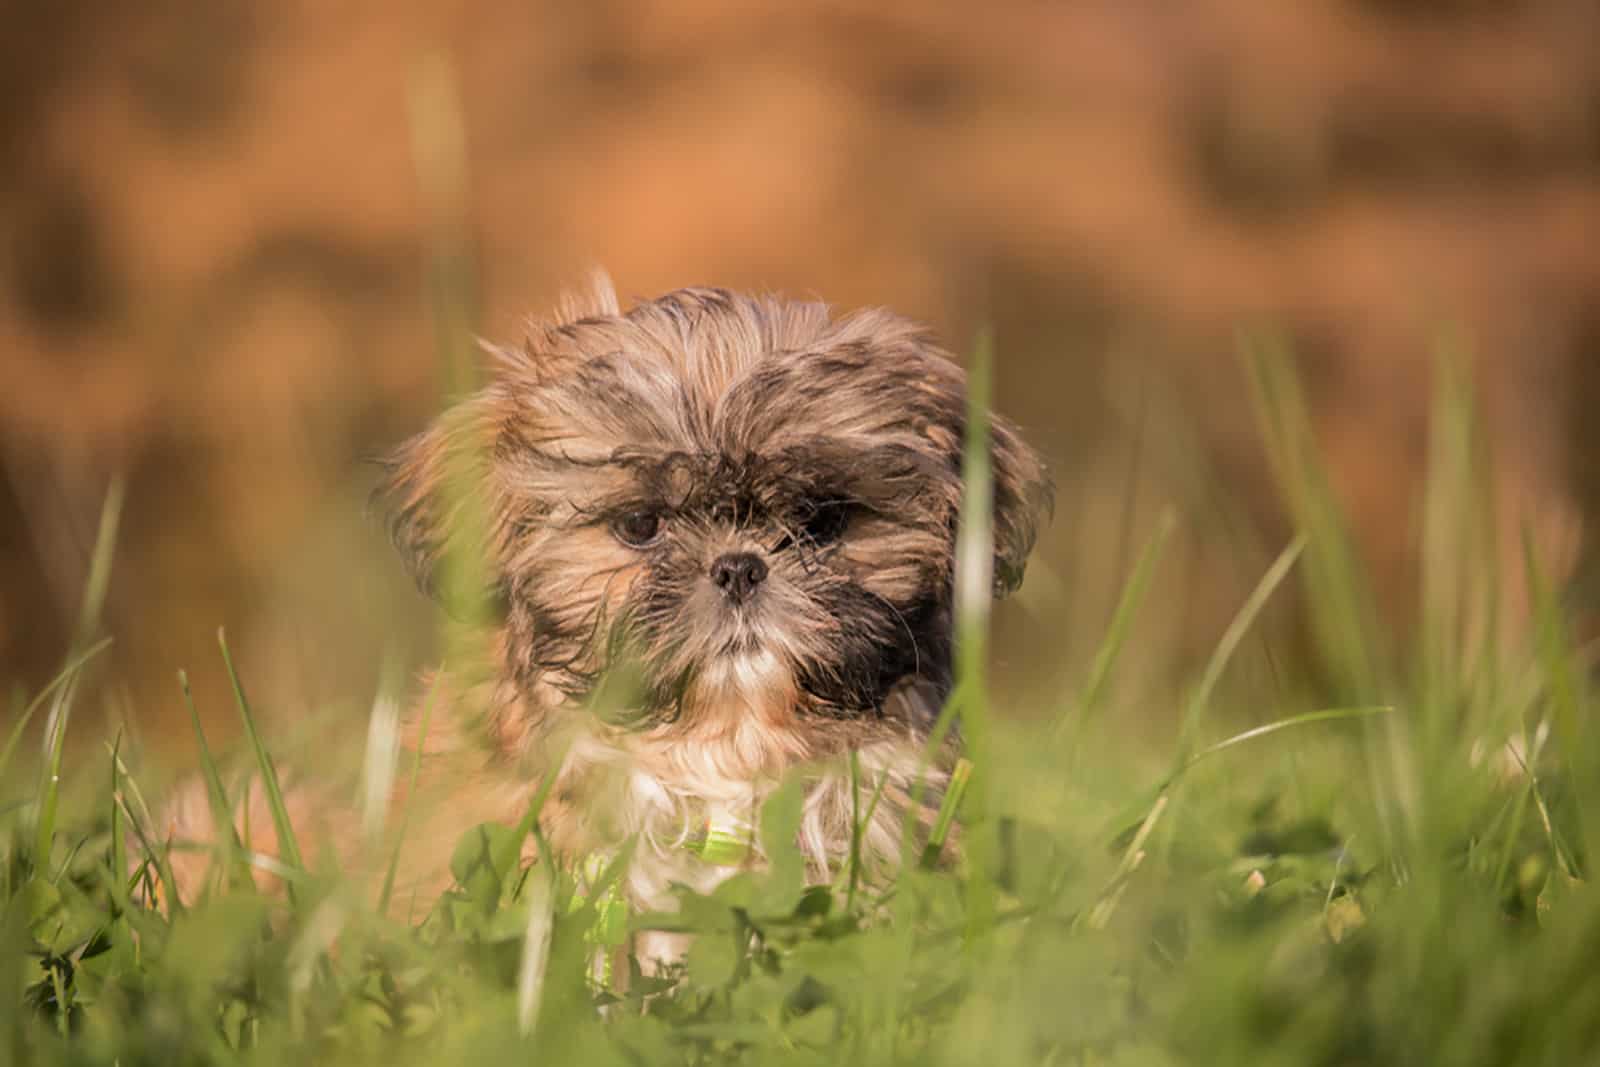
(637, 529)
(821, 524)
(827, 523)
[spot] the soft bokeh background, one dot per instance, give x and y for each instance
(214, 236)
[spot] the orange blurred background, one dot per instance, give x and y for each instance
(215, 227)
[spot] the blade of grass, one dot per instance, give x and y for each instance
(411, 792)
(119, 848)
(288, 847)
(1116, 638)
(1304, 719)
(1222, 655)
(861, 819)
(62, 677)
(438, 143)
(1554, 649)
(158, 856)
(535, 948)
(1519, 810)
(1149, 796)
(1340, 605)
(227, 843)
(865, 818)
(1508, 849)
(1233, 637)
(953, 794)
(438, 146)
(290, 876)
(94, 596)
(855, 830)
(63, 1002)
(974, 595)
(1132, 857)
(381, 760)
(1341, 610)
(1133, 479)
(505, 855)
(1566, 693)
(50, 787)
(99, 580)
(1446, 529)
(1560, 852)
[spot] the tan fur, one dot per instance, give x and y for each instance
(726, 427)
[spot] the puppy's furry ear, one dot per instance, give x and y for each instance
(437, 492)
(1024, 497)
(1024, 500)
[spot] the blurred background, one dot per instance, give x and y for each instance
(216, 220)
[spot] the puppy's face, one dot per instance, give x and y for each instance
(750, 503)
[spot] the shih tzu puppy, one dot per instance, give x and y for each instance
(746, 509)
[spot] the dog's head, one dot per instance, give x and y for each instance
(750, 501)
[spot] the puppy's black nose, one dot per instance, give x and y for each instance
(738, 573)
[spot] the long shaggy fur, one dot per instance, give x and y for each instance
(594, 485)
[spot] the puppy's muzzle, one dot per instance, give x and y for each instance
(738, 574)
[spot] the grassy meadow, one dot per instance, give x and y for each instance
(1379, 859)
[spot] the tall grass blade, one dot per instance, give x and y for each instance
(227, 844)
(1132, 858)
(974, 595)
(155, 853)
(65, 675)
(1308, 718)
(1116, 637)
(1446, 523)
(1304, 719)
(1567, 693)
(535, 948)
(1342, 613)
(288, 847)
(118, 881)
(1235, 634)
(94, 596)
(99, 580)
(1340, 605)
(439, 151)
(507, 850)
(50, 786)
(411, 794)
(1526, 757)
(1556, 659)
(438, 142)
(381, 761)
(1458, 637)
(853, 862)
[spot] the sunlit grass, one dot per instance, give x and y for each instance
(1380, 857)
(1395, 873)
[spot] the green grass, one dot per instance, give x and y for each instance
(1368, 877)
(1379, 858)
